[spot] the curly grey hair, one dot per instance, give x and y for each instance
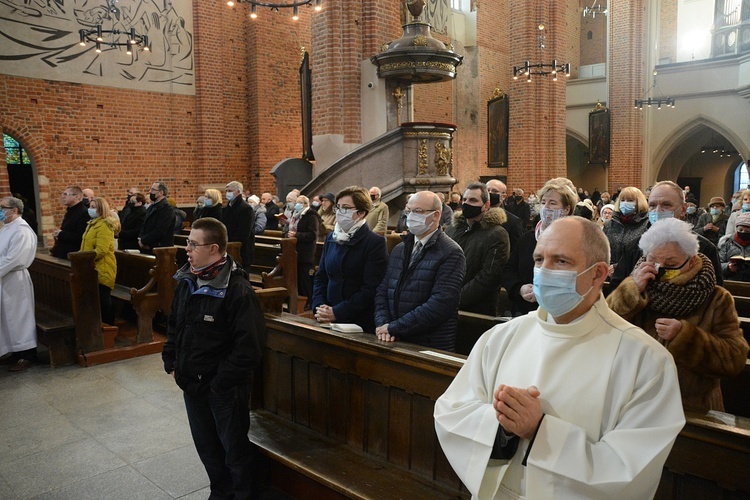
(670, 231)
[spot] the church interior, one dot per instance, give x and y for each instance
(407, 96)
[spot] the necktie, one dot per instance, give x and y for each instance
(416, 252)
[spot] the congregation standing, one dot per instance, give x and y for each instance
(664, 257)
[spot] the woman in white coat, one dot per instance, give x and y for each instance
(17, 252)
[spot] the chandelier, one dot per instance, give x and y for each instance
(291, 4)
(527, 69)
(654, 101)
(719, 150)
(596, 8)
(114, 38)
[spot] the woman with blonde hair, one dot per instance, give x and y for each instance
(212, 204)
(629, 221)
(99, 237)
(558, 199)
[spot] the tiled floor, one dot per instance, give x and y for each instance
(114, 431)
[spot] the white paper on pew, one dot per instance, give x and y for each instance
(346, 328)
(444, 356)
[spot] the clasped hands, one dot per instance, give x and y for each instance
(519, 411)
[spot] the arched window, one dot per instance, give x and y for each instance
(14, 153)
(589, 35)
(741, 177)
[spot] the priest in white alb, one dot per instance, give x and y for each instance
(569, 401)
(17, 252)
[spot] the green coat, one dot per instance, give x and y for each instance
(99, 237)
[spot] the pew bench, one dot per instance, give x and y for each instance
(346, 416)
(318, 467)
(66, 297)
(146, 282)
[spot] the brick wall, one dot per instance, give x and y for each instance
(668, 30)
(626, 123)
(594, 49)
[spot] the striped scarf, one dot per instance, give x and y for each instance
(678, 300)
(210, 271)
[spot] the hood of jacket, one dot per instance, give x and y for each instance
(495, 216)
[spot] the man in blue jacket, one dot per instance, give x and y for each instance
(417, 301)
(215, 339)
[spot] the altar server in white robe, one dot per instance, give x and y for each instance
(17, 252)
(569, 401)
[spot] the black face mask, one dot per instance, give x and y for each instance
(519, 199)
(152, 196)
(85, 202)
(494, 199)
(744, 236)
(372, 197)
(453, 205)
(471, 211)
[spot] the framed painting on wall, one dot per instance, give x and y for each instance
(497, 130)
(599, 135)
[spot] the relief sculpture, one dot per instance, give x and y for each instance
(443, 159)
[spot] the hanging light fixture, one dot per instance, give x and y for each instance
(654, 101)
(277, 6)
(527, 69)
(114, 38)
(596, 8)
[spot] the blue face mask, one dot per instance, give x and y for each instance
(230, 195)
(746, 207)
(691, 210)
(92, 213)
(2, 215)
(208, 202)
(298, 207)
(654, 216)
(555, 290)
(716, 211)
(627, 207)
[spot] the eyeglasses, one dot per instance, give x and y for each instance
(68, 194)
(343, 210)
(7, 208)
(418, 211)
(192, 245)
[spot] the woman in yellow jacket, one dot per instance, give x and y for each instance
(99, 237)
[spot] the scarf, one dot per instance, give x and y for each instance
(342, 237)
(627, 219)
(210, 271)
(679, 297)
(296, 216)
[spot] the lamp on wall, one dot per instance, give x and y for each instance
(655, 101)
(528, 69)
(114, 38)
(291, 4)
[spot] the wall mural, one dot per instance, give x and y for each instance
(40, 39)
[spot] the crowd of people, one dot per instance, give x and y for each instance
(664, 259)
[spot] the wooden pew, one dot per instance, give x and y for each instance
(344, 415)
(66, 295)
(146, 281)
(284, 273)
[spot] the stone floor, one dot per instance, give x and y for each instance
(113, 431)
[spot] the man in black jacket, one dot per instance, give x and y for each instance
(239, 218)
(479, 232)
(215, 339)
(272, 210)
(132, 222)
(512, 225)
(158, 228)
(70, 233)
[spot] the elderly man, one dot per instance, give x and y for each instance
(713, 224)
(272, 211)
(417, 301)
(158, 227)
(239, 218)
(666, 200)
(17, 321)
(70, 233)
(88, 195)
(551, 404)
(215, 339)
(479, 232)
(128, 203)
(512, 225)
(377, 219)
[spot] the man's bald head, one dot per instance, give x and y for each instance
(497, 190)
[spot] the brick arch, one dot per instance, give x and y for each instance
(37, 151)
(685, 130)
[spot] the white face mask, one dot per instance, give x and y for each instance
(550, 215)
(416, 223)
(344, 219)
